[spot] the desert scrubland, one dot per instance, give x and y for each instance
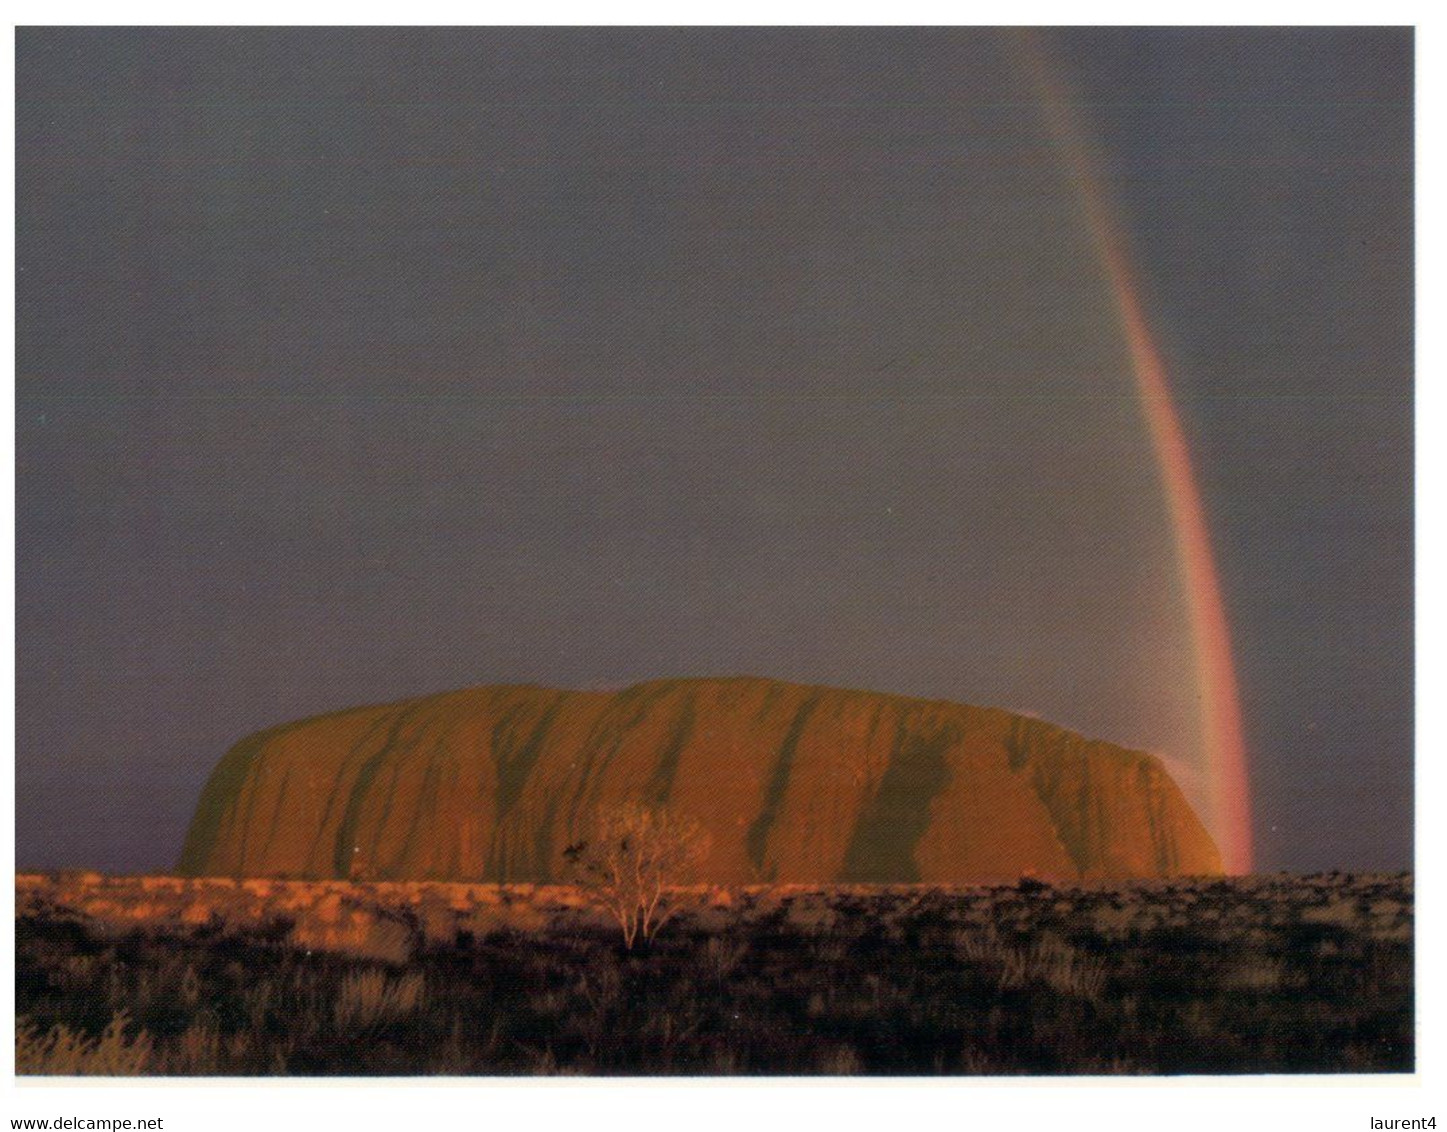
(212, 976)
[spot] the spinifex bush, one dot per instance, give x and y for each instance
(1052, 961)
(634, 862)
(63, 1052)
(368, 998)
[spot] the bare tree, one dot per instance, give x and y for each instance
(635, 861)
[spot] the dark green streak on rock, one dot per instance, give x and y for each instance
(882, 848)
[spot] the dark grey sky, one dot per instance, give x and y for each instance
(361, 364)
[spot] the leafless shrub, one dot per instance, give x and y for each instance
(635, 861)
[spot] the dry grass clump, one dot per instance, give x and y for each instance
(1062, 968)
(812, 915)
(1341, 912)
(723, 956)
(358, 933)
(840, 1061)
(371, 998)
(64, 1052)
(436, 920)
(197, 1052)
(1047, 959)
(1253, 973)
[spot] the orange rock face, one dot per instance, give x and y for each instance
(795, 783)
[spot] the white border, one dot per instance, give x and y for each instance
(1186, 1104)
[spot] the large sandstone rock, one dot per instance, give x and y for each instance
(795, 783)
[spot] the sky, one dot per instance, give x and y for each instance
(360, 364)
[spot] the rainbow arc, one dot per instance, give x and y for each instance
(1221, 725)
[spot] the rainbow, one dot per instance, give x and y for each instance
(1221, 728)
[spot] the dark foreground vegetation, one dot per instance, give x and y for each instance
(1254, 975)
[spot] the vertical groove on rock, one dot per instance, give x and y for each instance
(892, 822)
(514, 767)
(757, 841)
(278, 809)
(660, 782)
(325, 844)
(427, 803)
(347, 831)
